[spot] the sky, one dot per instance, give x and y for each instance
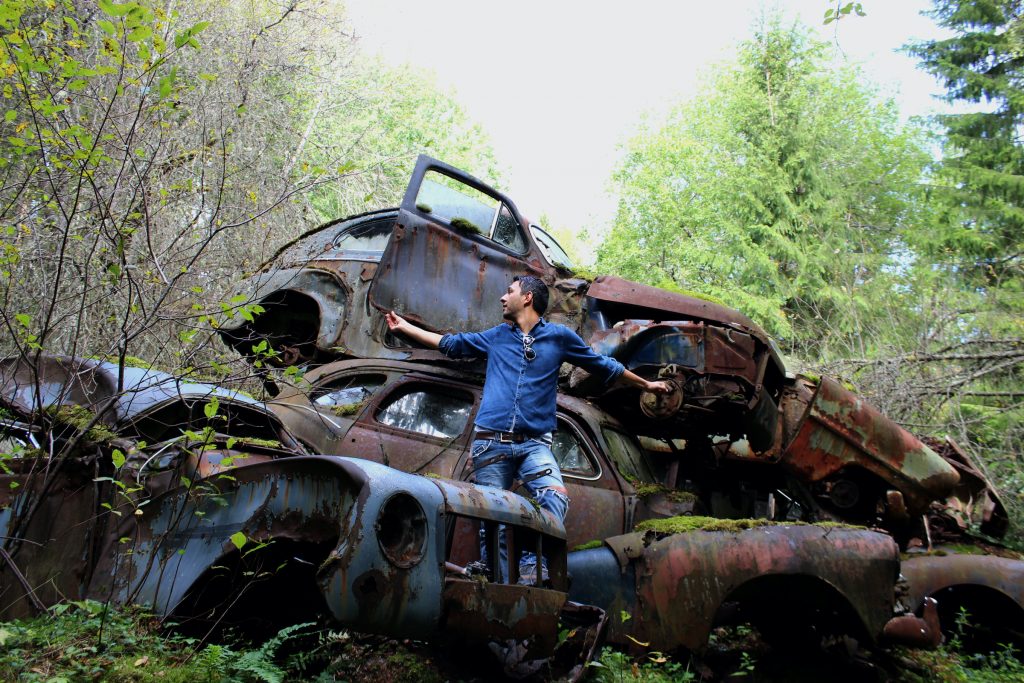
(560, 84)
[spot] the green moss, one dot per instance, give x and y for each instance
(347, 409)
(672, 495)
(130, 362)
(678, 496)
(688, 523)
(79, 417)
(432, 475)
(253, 441)
(811, 377)
(589, 545)
(425, 208)
(648, 490)
(465, 225)
(581, 272)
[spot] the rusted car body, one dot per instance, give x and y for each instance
(668, 589)
(835, 457)
(204, 526)
(979, 596)
(445, 257)
(202, 522)
(419, 418)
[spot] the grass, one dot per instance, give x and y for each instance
(86, 641)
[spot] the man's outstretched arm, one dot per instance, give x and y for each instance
(633, 379)
(402, 326)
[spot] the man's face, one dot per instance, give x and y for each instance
(513, 302)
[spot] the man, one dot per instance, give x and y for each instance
(516, 419)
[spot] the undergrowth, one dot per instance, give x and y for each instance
(87, 641)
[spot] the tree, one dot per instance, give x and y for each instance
(149, 157)
(782, 189)
(977, 243)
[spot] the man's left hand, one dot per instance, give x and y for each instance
(658, 387)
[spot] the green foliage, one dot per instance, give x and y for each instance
(81, 418)
(371, 138)
(780, 190)
(613, 666)
(954, 662)
(86, 640)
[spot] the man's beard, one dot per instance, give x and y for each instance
(508, 315)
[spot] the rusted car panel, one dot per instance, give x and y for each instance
(669, 589)
(986, 590)
(609, 289)
(56, 562)
(138, 402)
(718, 375)
(975, 500)
(185, 531)
(928, 574)
(841, 459)
(840, 431)
(454, 251)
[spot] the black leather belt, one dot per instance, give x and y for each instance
(503, 437)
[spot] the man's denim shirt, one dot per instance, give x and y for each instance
(519, 395)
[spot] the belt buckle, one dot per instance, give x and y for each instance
(506, 437)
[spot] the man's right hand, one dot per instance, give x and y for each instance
(400, 325)
(395, 321)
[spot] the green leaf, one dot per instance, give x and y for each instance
(238, 539)
(10, 116)
(140, 34)
(117, 457)
(23, 319)
(116, 10)
(107, 27)
(210, 409)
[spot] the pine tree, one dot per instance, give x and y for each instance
(981, 179)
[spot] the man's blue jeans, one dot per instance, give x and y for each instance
(499, 464)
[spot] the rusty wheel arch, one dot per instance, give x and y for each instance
(782, 607)
(291, 319)
(256, 595)
(993, 618)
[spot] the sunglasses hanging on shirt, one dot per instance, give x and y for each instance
(528, 352)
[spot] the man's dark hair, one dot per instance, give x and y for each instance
(534, 285)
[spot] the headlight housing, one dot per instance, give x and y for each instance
(402, 530)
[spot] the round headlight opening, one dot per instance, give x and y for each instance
(402, 530)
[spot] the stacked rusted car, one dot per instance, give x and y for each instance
(746, 492)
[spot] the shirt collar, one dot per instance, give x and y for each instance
(541, 322)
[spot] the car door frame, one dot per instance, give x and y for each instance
(443, 278)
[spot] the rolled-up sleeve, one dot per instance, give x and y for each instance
(580, 354)
(466, 344)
